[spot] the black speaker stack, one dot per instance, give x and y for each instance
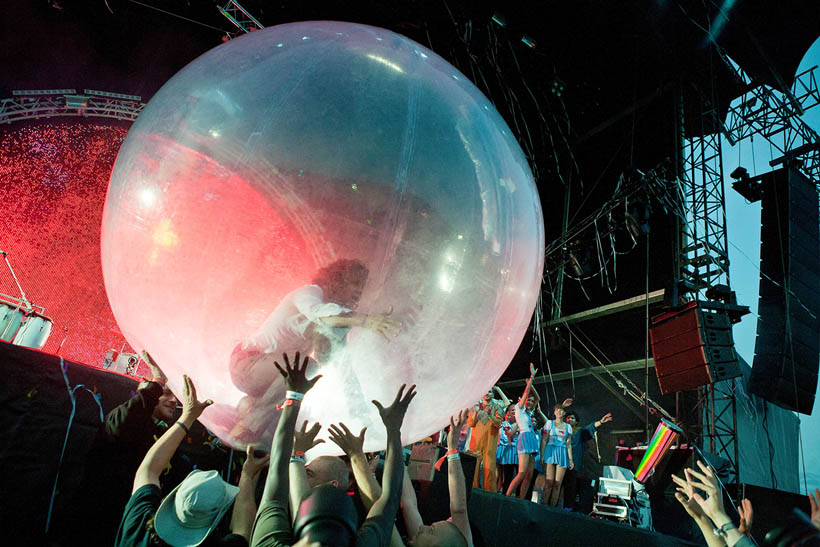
(787, 348)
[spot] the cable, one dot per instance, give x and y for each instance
(223, 31)
(73, 398)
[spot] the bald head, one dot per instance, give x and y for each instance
(327, 470)
(439, 534)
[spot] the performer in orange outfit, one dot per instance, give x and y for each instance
(485, 419)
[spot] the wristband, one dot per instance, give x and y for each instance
(288, 402)
(721, 532)
(447, 455)
(183, 426)
(297, 459)
(298, 454)
(294, 395)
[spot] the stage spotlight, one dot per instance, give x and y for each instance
(499, 20)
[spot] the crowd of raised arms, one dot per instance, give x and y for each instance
(308, 503)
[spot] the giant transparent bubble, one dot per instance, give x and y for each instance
(287, 150)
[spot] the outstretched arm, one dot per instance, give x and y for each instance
(455, 480)
(303, 440)
(523, 400)
(244, 506)
(383, 512)
(685, 496)
(502, 395)
(380, 323)
(369, 489)
(276, 485)
(410, 506)
(160, 453)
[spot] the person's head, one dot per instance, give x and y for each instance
(440, 534)
(166, 405)
(193, 509)
(560, 412)
(572, 418)
(342, 281)
(532, 401)
(326, 517)
(327, 470)
(488, 397)
(510, 414)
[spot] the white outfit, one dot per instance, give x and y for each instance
(284, 329)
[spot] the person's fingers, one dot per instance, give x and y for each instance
(312, 381)
(315, 429)
(399, 395)
(287, 362)
(318, 441)
(249, 452)
(362, 432)
(303, 428)
(208, 402)
(452, 423)
(409, 396)
(280, 369)
(305, 362)
(677, 480)
(705, 468)
(378, 405)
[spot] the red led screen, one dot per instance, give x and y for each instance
(53, 180)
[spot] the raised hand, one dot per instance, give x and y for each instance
(684, 493)
(706, 481)
(347, 441)
(393, 415)
(156, 373)
(567, 402)
(533, 370)
(304, 439)
(190, 405)
(253, 465)
(383, 324)
(746, 517)
(295, 379)
(455, 429)
(606, 418)
(814, 501)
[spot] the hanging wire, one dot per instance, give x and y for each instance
(200, 23)
(571, 366)
(73, 398)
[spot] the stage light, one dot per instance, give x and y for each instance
(499, 20)
(740, 173)
(528, 41)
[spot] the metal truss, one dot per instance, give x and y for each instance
(38, 104)
(240, 17)
(705, 260)
(776, 117)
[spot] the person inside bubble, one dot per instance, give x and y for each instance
(312, 320)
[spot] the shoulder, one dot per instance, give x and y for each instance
(140, 508)
(371, 534)
(272, 525)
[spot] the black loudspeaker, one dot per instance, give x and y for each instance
(787, 348)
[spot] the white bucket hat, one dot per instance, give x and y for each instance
(193, 509)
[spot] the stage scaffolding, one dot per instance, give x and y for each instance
(704, 255)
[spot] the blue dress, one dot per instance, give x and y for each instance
(556, 450)
(506, 453)
(527, 441)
